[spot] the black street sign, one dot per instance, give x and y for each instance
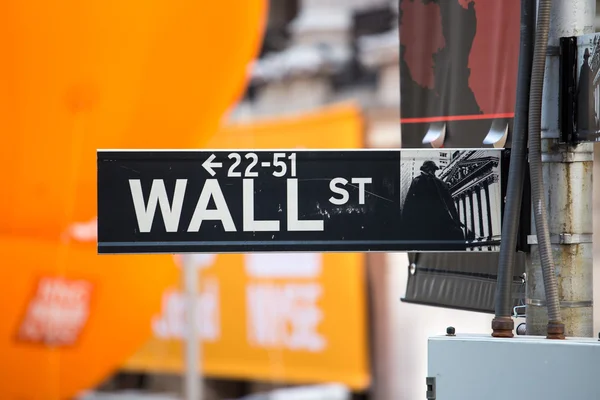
(239, 201)
(580, 79)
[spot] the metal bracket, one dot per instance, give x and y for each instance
(516, 312)
(567, 157)
(564, 238)
(436, 134)
(550, 133)
(412, 268)
(498, 133)
(563, 304)
(430, 388)
(553, 51)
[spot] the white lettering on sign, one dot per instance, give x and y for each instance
(252, 164)
(171, 324)
(333, 185)
(58, 312)
(232, 173)
(292, 158)
(285, 315)
(336, 185)
(294, 224)
(82, 231)
(220, 213)
(278, 164)
(172, 213)
(250, 224)
(171, 210)
(158, 196)
(361, 188)
(209, 165)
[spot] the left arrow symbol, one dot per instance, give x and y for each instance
(209, 165)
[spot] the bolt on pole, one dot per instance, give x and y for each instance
(568, 182)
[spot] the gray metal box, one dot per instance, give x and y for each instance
(479, 367)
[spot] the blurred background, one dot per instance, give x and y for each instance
(282, 74)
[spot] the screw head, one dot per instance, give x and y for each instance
(450, 331)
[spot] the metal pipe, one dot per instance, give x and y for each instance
(567, 172)
(555, 328)
(193, 354)
(503, 324)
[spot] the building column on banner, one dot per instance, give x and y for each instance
(488, 207)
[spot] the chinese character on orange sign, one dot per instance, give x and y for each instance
(57, 312)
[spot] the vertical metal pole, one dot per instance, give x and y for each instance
(568, 181)
(193, 352)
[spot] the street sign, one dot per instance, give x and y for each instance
(240, 201)
(580, 78)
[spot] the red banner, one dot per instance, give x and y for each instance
(458, 61)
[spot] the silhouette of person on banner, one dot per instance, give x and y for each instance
(429, 214)
(586, 103)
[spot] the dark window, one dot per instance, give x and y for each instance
(365, 22)
(281, 13)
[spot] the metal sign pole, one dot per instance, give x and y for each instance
(193, 348)
(569, 192)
